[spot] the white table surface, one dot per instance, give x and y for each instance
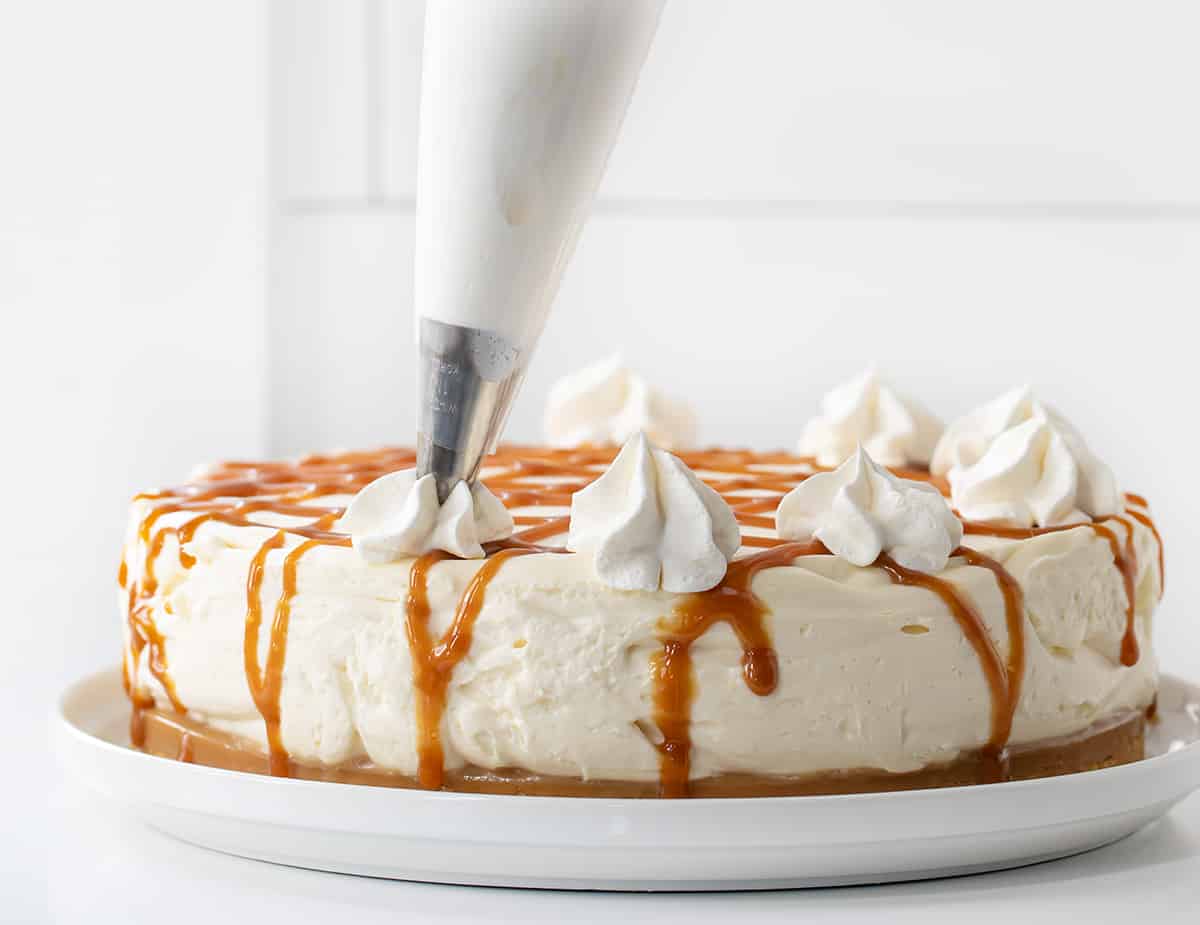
(89, 862)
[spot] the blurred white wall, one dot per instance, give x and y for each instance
(970, 196)
(132, 282)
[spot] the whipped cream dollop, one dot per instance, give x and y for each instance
(649, 522)
(398, 515)
(866, 411)
(861, 510)
(607, 403)
(1017, 461)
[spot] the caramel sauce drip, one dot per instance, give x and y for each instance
(1014, 618)
(1124, 557)
(230, 493)
(141, 702)
(142, 629)
(430, 763)
(527, 477)
(266, 684)
(732, 602)
(975, 630)
(434, 663)
(145, 635)
(1146, 521)
(258, 680)
(1126, 560)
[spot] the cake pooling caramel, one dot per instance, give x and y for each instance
(526, 478)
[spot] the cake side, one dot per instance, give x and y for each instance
(562, 675)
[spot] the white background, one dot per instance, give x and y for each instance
(206, 229)
(969, 197)
(133, 218)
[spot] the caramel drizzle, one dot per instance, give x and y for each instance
(1127, 563)
(528, 477)
(434, 663)
(1003, 678)
(1145, 520)
(266, 684)
(261, 690)
(732, 602)
(1124, 557)
(1014, 618)
(145, 635)
(229, 494)
(740, 475)
(430, 763)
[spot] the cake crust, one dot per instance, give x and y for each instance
(1118, 740)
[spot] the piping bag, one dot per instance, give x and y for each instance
(521, 104)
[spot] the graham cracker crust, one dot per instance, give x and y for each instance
(1116, 740)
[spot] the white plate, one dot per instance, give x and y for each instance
(710, 844)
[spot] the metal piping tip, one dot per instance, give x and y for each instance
(468, 380)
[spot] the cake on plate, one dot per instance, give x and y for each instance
(894, 605)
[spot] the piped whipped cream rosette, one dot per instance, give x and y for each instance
(868, 412)
(1018, 462)
(607, 403)
(648, 523)
(860, 511)
(399, 515)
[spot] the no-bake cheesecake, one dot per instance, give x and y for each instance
(598, 620)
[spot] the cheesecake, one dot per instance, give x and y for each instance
(893, 605)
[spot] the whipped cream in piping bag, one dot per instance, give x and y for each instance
(867, 411)
(607, 403)
(861, 510)
(650, 523)
(398, 515)
(1016, 461)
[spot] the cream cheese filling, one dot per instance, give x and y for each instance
(558, 678)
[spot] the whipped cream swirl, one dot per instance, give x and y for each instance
(649, 522)
(398, 515)
(1016, 461)
(868, 412)
(861, 510)
(607, 403)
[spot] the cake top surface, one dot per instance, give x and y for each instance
(307, 496)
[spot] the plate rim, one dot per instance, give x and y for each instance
(620, 843)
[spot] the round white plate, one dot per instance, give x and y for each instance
(709, 844)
